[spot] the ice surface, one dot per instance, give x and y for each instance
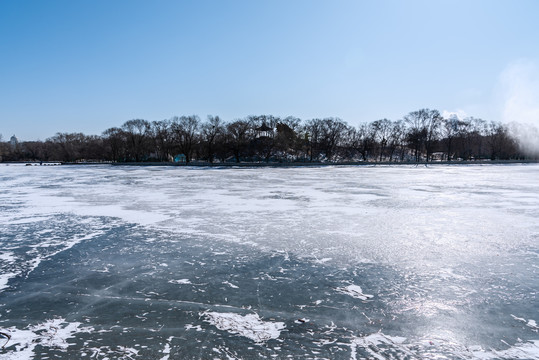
(380, 346)
(207, 263)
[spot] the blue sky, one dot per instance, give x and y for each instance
(85, 66)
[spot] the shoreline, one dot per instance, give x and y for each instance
(284, 164)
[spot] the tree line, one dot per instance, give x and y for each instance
(422, 135)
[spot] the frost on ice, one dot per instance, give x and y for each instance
(250, 325)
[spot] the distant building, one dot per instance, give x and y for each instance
(13, 142)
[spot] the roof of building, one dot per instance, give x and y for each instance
(264, 127)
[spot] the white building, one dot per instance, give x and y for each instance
(13, 141)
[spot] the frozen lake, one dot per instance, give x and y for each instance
(377, 262)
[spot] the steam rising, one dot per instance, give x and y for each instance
(527, 136)
(520, 84)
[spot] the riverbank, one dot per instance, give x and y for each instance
(309, 164)
(276, 164)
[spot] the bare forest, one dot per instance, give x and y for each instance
(420, 136)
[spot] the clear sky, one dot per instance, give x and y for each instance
(85, 66)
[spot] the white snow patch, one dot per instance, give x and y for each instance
(521, 350)
(193, 327)
(180, 281)
(27, 220)
(230, 284)
(518, 318)
(4, 278)
(355, 291)
(250, 326)
(369, 343)
(166, 352)
(323, 261)
(52, 333)
(8, 257)
(532, 324)
(378, 344)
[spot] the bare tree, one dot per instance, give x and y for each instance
(362, 140)
(68, 146)
(289, 141)
(449, 131)
(432, 126)
(502, 145)
(137, 133)
(382, 129)
(2, 149)
(185, 134)
(238, 136)
(479, 131)
(397, 136)
(211, 130)
(333, 132)
(416, 131)
(115, 144)
(423, 127)
(313, 131)
(162, 139)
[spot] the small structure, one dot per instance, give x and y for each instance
(180, 158)
(264, 131)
